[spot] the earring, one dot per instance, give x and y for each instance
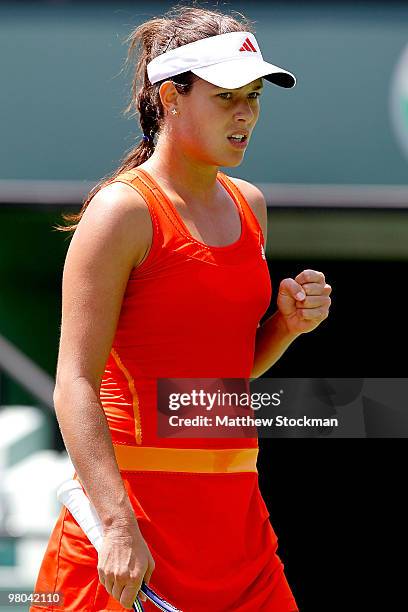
(174, 112)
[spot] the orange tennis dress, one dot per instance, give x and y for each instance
(189, 311)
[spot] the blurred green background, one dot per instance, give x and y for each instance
(61, 119)
(345, 124)
(65, 93)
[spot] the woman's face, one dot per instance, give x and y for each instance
(208, 115)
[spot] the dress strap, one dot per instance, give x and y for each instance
(249, 214)
(136, 181)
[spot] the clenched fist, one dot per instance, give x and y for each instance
(304, 301)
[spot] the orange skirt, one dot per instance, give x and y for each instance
(209, 534)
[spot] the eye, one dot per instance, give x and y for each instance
(254, 95)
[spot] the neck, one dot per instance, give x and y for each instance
(190, 178)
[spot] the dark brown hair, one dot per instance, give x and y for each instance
(179, 26)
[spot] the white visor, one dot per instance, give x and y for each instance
(228, 60)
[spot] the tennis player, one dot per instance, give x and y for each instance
(166, 276)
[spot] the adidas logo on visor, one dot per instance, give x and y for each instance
(248, 46)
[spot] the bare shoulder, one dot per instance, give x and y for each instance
(255, 199)
(111, 237)
(123, 210)
(119, 197)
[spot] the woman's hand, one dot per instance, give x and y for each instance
(304, 302)
(124, 561)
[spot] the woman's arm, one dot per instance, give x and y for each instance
(111, 238)
(303, 302)
(272, 340)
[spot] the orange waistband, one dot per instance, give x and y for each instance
(193, 460)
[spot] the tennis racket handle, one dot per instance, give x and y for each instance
(71, 494)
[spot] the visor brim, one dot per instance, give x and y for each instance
(239, 72)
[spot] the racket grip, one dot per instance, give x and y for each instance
(71, 494)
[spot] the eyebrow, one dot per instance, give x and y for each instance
(252, 88)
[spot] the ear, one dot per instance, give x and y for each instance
(168, 95)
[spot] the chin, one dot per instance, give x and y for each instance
(230, 164)
(229, 161)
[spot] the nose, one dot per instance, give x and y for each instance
(244, 111)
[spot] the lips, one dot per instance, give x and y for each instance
(242, 131)
(238, 144)
(242, 140)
